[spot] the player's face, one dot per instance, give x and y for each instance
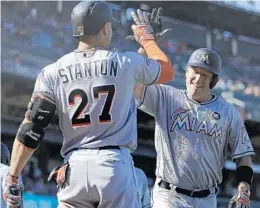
(198, 83)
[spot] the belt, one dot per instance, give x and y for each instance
(195, 194)
(99, 148)
(109, 147)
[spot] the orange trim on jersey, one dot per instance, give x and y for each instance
(104, 122)
(167, 71)
(81, 124)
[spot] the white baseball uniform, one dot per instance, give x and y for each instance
(93, 92)
(192, 141)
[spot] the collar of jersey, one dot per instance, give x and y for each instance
(89, 50)
(213, 99)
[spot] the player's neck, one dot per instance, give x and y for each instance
(200, 99)
(89, 46)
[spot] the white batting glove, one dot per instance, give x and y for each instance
(12, 193)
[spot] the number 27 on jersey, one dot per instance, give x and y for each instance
(78, 119)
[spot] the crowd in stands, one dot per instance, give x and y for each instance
(48, 33)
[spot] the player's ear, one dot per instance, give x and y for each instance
(186, 71)
(105, 29)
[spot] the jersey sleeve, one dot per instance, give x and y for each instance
(152, 100)
(239, 142)
(44, 85)
(146, 71)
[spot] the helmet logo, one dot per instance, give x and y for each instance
(201, 57)
(80, 29)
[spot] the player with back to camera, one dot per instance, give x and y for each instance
(195, 132)
(92, 90)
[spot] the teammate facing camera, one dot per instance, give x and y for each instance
(202, 74)
(96, 109)
(195, 132)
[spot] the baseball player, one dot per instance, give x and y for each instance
(195, 132)
(16, 200)
(143, 189)
(92, 90)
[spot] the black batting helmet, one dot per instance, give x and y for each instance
(5, 154)
(88, 17)
(209, 59)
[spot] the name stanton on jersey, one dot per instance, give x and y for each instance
(88, 70)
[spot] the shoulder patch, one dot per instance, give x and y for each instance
(216, 115)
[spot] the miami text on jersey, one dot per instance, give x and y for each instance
(183, 118)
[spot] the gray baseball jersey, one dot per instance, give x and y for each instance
(93, 92)
(4, 169)
(143, 189)
(193, 139)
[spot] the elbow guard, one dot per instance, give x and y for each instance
(39, 114)
(40, 111)
(30, 135)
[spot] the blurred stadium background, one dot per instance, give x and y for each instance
(35, 34)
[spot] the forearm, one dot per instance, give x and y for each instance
(244, 161)
(151, 50)
(20, 156)
(31, 131)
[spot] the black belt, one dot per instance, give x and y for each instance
(195, 194)
(109, 147)
(100, 148)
